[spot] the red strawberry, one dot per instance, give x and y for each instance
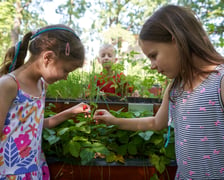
(100, 113)
(84, 107)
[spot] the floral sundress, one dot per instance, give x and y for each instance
(21, 156)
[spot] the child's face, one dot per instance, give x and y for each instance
(164, 57)
(106, 57)
(57, 70)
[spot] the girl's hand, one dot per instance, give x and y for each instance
(81, 108)
(103, 116)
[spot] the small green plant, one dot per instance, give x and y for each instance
(84, 140)
(139, 76)
(72, 88)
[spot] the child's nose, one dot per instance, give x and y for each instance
(153, 66)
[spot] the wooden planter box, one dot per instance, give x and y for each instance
(133, 169)
(112, 103)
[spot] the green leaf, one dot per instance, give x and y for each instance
(157, 139)
(170, 151)
(66, 149)
(154, 177)
(123, 137)
(122, 150)
(79, 138)
(132, 149)
(80, 124)
(49, 131)
(52, 139)
(98, 147)
(111, 157)
(146, 135)
(159, 162)
(63, 131)
(50, 136)
(74, 148)
(85, 129)
(86, 155)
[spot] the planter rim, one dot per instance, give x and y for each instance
(108, 100)
(102, 162)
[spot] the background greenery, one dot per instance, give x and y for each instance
(110, 21)
(77, 84)
(117, 21)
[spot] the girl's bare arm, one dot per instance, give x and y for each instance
(66, 114)
(157, 122)
(8, 90)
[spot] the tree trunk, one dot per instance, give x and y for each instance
(17, 22)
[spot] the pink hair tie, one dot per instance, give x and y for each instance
(67, 49)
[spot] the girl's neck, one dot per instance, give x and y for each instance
(29, 79)
(199, 78)
(28, 72)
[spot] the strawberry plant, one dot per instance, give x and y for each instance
(84, 140)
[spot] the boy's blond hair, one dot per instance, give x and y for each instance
(107, 46)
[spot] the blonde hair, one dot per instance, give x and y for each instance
(107, 46)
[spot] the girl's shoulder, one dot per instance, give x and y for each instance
(8, 86)
(7, 82)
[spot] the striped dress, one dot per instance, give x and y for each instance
(199, 130)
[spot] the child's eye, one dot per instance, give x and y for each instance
(152, 56)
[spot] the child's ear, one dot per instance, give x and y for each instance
(99, 60)
(48, 56)
(173, 40)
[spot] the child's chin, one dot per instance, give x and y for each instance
(106, 65)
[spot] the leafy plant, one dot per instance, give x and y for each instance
(83, 140)
(73, 87)
(140, 77)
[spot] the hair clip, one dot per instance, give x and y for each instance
(67, 49)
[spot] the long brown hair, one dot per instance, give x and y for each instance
(57, 38)
(180, 23)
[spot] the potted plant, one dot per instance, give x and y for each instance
(85, 145)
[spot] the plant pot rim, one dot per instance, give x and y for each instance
(109, 99)
(102, 162)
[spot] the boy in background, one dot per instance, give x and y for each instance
(108, 81)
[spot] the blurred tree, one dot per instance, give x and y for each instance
(16, 18)
(72, 10)
(7, 12)
(211, 13)
(130, 14)
(121, 19)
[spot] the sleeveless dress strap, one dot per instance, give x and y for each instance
(43, 93)
(17, 82)
(43, 84)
